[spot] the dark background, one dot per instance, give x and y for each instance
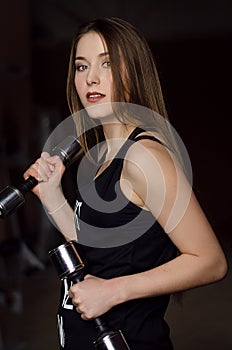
(191, 42)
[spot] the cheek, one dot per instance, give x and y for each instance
(79, 87)
(78, 84)
(110, 85)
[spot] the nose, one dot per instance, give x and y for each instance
(93, 76)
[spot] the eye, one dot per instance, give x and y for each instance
(81, 67)
(106, 64)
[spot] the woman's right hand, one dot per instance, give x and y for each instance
(48, 171)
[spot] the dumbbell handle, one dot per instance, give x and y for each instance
(11, 198)
(100, 325)
(68, 264)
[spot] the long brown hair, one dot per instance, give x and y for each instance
(128, 51)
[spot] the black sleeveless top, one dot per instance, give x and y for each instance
(117, 238)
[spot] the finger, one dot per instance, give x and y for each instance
(36, 174)
(42, 168)
(71, 293)
(32, 171)
(54, 160)
(50, 164)
(78, 310)
(84, 317)
(77, 306)
(45, 155)
(74, 304)
(55, 163)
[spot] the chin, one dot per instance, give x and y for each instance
(100, 110)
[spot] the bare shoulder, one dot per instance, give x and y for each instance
(146, 155)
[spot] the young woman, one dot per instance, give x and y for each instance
(141, 232)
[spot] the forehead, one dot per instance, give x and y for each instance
(91, 43)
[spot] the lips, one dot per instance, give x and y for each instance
(94, 96)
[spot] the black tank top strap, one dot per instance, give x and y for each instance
(135, 132)
(134, 136)
(117, 164)
(148, 137)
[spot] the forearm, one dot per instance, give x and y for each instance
(62, 215)
(94, 296)
(64, 220)
(49, 171)
(182, 273)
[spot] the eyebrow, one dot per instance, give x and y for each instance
(83, 58)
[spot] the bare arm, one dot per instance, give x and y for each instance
(156, 183)
(49, 170)
(201, 260)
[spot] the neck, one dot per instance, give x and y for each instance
(115, 134)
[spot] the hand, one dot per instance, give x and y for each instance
(92, 297)
(48, 171)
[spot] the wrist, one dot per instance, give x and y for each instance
(58, 207)
(119, 286)
(53, 201)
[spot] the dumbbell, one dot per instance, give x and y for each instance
(11, 197)
(69, 265)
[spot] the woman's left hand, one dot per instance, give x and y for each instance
(92, 297)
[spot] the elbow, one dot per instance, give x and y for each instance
(223, 268)
(219, 268)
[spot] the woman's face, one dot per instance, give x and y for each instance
(93, 77)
